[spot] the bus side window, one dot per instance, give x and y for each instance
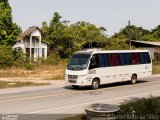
(148, 58)
(94, 63)
(128, 58)
(117, 59)
(145, 58)
(135, 58)
(123, 59)
(114, 59)
(111, 59)
(103, 60)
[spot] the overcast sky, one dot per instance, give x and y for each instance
(111, 14)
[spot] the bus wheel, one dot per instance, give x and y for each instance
(75, 86)
(133, 79)
(95, 84)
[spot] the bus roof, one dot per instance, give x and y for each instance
(110, 51)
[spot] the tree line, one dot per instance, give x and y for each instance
(64, 38)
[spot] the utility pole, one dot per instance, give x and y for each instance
(129, 35)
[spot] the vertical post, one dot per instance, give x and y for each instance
(30, 54)
(40, 49)
(129, 35)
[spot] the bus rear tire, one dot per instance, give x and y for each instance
(95, 84)
(133, 79)
(75, 86)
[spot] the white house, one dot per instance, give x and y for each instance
(31, 43)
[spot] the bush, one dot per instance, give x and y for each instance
(29, 66)
(19, 55)
(116, 44)
(6, 58)
(50, 60)
(20, 58)
(141, 107)
(156, 62)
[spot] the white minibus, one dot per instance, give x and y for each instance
(96, 67)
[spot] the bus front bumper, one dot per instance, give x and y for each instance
(80, 81)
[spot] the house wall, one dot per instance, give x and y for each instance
(20, 44)
(36, 33)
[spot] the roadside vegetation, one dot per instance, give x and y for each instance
(146, 108)
(141, 109)
(4, 84)
(156, 67)
(36, 70)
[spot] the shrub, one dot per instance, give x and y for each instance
(141, 107)
(50, 60)
(20, 59)
(29, 66)
(6, 58)
(156, 62)
(19, 55)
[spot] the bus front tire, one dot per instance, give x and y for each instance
(95, 84)
(133, 79)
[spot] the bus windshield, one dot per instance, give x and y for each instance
(78, 62)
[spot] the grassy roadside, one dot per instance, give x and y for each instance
(156, 69)
(141, 109)
(4, 84)
(45, 72)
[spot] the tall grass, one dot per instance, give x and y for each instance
(36, 71)
(142, 108)
(156, 67)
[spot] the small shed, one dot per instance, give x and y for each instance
(153, 47)
(32, 44)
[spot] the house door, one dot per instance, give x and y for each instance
(28, 53)
(32, 54)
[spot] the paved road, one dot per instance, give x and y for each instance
(62, 101)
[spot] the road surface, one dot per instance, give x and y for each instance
(63, 101)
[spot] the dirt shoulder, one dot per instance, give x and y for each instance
(35, 80)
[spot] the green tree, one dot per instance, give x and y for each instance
(53, 33)
(82, 33)
(65, 39)
(131, 32)
(116, 44)
(155, 33)
(8, 30)
(6, 58)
